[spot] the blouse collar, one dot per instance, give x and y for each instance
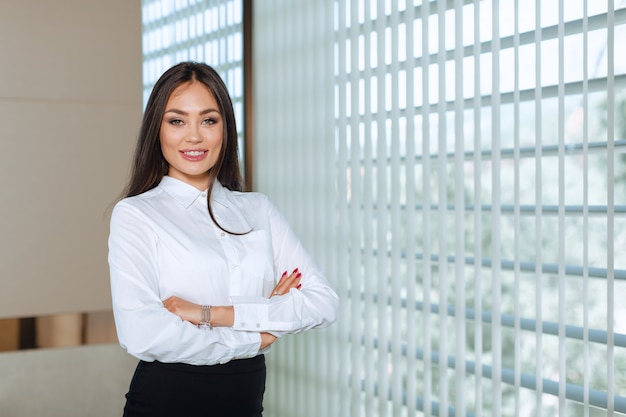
(187, 194)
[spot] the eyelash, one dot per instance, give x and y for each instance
(178, 122)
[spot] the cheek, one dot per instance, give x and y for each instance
(216, 141)
(167, 147)
(170, 138)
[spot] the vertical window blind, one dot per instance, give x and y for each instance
(458, 170)
(208, 31)
(483, 145)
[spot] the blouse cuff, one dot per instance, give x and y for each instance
(244, 344)
(251, 313)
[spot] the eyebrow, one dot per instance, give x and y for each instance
(184, 113)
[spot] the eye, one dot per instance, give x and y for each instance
(175, 122)
(209, 121)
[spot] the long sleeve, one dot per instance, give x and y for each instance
(314, 305)
(163, 243)
(145, 328)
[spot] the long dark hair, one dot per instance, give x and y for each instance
(149, 165)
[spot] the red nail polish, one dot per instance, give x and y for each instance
(295, 270)
(299, 286)
(299, 275)
(284, 273)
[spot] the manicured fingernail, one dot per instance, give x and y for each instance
(284, 273)
(299, 275)
(295, 270)
(299, 286)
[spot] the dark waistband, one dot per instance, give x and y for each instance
(233, 367)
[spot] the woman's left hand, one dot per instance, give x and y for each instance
(184, 309)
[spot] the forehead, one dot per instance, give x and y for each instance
(191, 92)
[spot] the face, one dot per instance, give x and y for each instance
(191, 133)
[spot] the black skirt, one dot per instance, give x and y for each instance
(234, 389)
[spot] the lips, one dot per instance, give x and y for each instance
(194, 154)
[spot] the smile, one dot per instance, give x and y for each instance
(194, 155)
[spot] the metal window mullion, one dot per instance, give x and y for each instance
(381, 218)
(517, 215)
(459, 198)
(547, 210)
(496, 284)
(530, 324)
(561, 212)
(547, 33)
(610, 290)
(478, 226)
(410, 228)
(442, 215)
(585, 231)
(573, 392)
(538, 214)
(426, 217)
(548, 91)
(397, 278)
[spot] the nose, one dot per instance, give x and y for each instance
(194, 135)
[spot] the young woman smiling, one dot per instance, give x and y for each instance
(204, 277)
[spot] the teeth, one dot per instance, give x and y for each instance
(194, 153)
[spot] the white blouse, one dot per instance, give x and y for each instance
(163, 243)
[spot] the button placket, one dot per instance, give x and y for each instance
(228, 244)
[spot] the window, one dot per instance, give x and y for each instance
(458, 169)
(483, 147)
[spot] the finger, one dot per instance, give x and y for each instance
(286, 276)
(286, 283)
(283, 281)
(167, 303)
(276, 290)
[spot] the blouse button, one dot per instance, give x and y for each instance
(258, 325)
(243, 324)
(222, 234)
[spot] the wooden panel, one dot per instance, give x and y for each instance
(9, 334)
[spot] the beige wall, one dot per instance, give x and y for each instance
(70, 108)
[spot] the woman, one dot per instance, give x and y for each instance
(204, 277)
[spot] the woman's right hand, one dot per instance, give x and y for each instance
(287, 282)
(266, 340)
